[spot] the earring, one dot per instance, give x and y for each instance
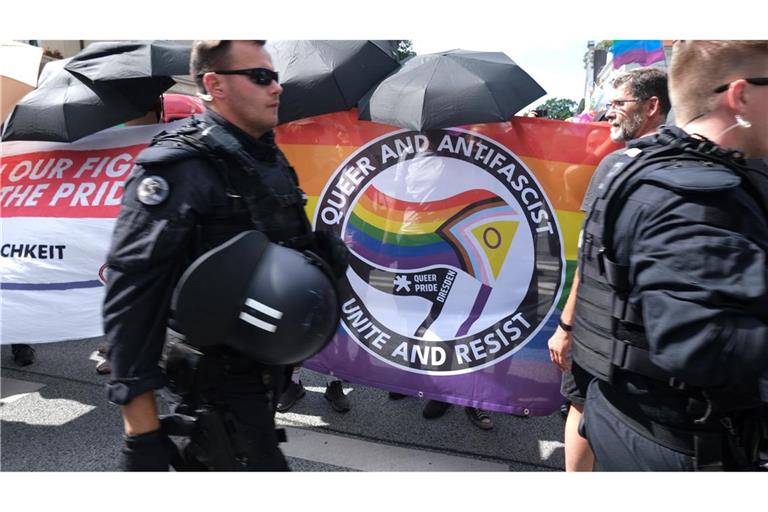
(743, 122)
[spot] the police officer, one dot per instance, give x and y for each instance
(672, 309)
(639, 105)
(192, 190)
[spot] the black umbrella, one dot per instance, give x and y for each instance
(452, 88)
(107, 61)
(319, 77)
(64, 108)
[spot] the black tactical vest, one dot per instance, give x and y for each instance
(256, 193)
(608, 330)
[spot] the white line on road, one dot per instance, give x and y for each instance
(368, 456)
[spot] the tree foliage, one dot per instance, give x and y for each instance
(558, 108)
(405, 49)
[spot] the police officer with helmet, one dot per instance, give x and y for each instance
(216, 202)
(672, 310)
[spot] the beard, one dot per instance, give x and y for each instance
(627, 127)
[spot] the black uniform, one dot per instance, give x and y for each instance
(672, 312)
(183, 198)
(575, 381)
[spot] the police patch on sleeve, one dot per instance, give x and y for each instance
(153, 190)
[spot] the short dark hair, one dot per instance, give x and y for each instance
(208, 55)
(644, 83)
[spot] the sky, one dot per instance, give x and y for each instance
(548, 39)
(557, 65)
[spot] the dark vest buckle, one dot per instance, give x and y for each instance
(677, 384)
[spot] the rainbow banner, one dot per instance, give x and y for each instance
(643, 52)
(462, 242)
(463, 246)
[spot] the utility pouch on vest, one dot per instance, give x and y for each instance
(608, 329)
(181, 365)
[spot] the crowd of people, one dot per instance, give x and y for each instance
(663, 341)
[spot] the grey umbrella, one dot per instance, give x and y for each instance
(120, 60)
(319, 77)
(64, 108)
(452, 88)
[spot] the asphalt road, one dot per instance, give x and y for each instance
(55, 417)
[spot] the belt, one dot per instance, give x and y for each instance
(679, 440)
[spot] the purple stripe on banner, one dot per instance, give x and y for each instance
(527, 382)
(477, 308)
(51, 286)
(640, 56)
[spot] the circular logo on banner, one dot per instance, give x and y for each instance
(456, 255)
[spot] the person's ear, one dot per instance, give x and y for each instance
(213, 84)
(737, 96)
(654, 106)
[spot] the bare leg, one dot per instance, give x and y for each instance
(578, 454)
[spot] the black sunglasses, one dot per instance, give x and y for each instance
(260, 76)
(753, 81)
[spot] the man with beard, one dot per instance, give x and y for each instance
(672, 308)
(639, 104)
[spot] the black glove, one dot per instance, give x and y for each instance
(333, 250)
(152, 451)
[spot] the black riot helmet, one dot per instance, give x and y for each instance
(273, 304)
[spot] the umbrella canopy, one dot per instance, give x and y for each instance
(319, 77)
(64, 108)
(19, 66)
(452, 88)
(107, 61)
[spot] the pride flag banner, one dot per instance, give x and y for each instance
(462, 243)
(463, 246)
(643, 52)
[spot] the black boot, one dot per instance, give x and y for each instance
(23, 355)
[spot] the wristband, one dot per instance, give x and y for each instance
(564, 326)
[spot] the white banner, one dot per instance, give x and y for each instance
(58, 203)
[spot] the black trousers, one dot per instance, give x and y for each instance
(619, 447)
(236, 398)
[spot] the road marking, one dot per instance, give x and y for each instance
(367, 456)
(12, 389)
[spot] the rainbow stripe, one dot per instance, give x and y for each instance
(557, 152)
(393, 233)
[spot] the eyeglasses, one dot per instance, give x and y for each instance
(260, 76)
(753, 81)
(619, 104)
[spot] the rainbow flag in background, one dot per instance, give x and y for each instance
(408, 234)
(393, 233)
(643, 52)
